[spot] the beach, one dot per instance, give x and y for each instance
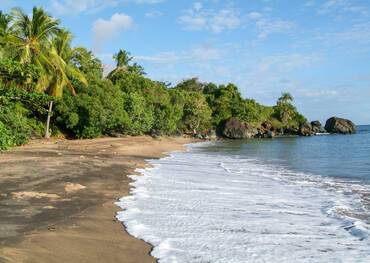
(57, 199)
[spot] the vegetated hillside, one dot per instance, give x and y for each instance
(38, 65)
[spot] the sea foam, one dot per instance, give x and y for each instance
(199, 207)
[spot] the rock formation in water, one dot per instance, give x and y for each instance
(339, 125)
(317, 127)
(306, 129)
(236, 129)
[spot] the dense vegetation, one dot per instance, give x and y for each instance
(38, 65)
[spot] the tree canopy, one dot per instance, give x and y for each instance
(38, 64)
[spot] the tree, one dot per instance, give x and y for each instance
(39, 41)
(192, 84)
(136, 69)
(65, 70)
(285, 98)
(196, 114)
(87, 63)
(123, 58)
(4, 33)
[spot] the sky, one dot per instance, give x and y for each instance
(318, 50)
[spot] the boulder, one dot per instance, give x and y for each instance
(306, 129)
(236, 129)
(317, 127)
(266, 130)
(339, 125)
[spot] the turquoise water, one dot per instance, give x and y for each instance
(281, 200)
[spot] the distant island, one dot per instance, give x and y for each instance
(49, 88)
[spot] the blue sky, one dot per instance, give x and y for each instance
(319, 50)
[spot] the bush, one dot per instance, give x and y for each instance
(95, 111)
(6, 139)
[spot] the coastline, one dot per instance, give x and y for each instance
(57, 199)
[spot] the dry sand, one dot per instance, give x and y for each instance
(57, 199)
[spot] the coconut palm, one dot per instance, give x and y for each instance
(285, 107)
(285, 97)
(33, 35)
(62, 54)
(123, 58)
(5, 33)
(136, 69)
(38, 40)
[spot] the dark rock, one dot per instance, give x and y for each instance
(236, 129)
(155, 133)
(270, 134)
(266, 131)
(339, 125)
(291, 131)
(317, 127)
(306, 129)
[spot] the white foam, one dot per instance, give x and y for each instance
(195, 207)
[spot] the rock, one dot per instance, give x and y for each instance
(155, 134)
(266, 131)
(317, 127)
(339, 125)
(306, 129)
(270, 134)
(236, 129)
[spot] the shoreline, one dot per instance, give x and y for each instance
(57, 199)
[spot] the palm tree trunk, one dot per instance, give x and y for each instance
(47, 132)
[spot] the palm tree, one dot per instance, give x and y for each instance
(136, 69)
(4, 33)
(62, 54)
(33, 35)
(285, 97)
(285, 107)
(38, 40)
(123, 58)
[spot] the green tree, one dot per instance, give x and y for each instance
(196, 114)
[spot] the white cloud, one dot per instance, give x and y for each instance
(74, 7)
(341, 6)
(197, 19)
(267, 27)
(197, 6)
(107, 29)
(254, 15)
(197, 54)
(153, 14)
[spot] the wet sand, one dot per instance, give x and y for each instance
(57, 199)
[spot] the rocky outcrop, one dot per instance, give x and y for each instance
(339, 125)
(306, 129)
(317, 127)
(236, 129)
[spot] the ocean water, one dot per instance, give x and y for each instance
(281, 200)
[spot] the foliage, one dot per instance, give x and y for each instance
(6, 139)
(21, 115)
(93, 112)
(14, 73)
(196, 113)
(286, 113)
(38, 64)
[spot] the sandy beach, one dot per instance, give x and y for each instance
(57, 199)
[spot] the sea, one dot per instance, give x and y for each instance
(294, 199)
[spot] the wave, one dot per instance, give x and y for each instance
(202, 207)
